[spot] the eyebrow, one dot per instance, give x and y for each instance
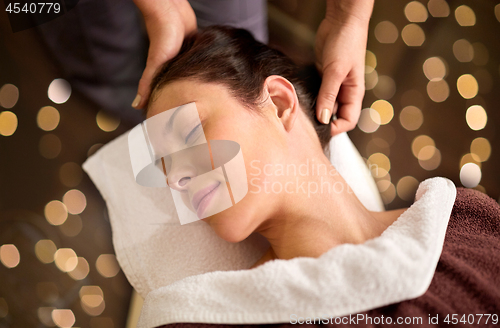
(170, 123)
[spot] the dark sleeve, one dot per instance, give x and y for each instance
(466, 281)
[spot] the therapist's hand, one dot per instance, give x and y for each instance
(340, 50)
(167, 23)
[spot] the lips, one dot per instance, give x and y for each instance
(202, 198)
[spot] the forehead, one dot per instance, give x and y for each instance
(181, 92)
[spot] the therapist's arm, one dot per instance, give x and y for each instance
(167, 23)
(340, 49)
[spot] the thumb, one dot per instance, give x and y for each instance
(327, 96)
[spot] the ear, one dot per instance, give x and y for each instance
(283, 99)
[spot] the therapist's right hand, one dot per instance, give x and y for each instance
(167, 23)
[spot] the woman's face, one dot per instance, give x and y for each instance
(222, 117)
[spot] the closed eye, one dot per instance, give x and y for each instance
(192, 132)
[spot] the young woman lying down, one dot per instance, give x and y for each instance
(329, 256)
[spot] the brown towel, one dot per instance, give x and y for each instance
(465, 289)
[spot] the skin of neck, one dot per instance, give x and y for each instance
(309, 224)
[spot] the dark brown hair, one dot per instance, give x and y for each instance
(233, 58)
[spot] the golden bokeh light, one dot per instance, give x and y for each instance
(50, 146)
(411, 118)
(9, 255)
(465, 16)
(48, 118)
(434, 68)
(65, 259)
(376, 145)
(369, 120)
(467, 86)
(92, 150)
(4, 308)
(70, 174)
(470, 158)
(81, 270)
(480, 148)
(107, 265)
(371, 80)
(407, 187)
(463, 51)
(8, 123)
(383, 185)
(75, 201)
(481, 189)
(63, 318)
(470, 175)
(481, 54)
(438, 8)
(386, 32)
(416, 12)
(497, 12)
(45, 315)
(9, 95)
(370, 62)
(413, 35)
(389, 194)
(72, 226)
(438, 91)
(385, 87)
(384, 109)
(420, 142)
(426, 153)
(56, 212)
(92, 300)
(107, 122)
(59, 91)
(45, 250)
(431, 163)
(476, 117)
(379, 161)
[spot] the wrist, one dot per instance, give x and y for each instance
(349, 11)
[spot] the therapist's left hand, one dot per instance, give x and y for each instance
(340, 50)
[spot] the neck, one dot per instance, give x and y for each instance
(322, 212)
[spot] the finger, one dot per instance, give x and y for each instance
(328, 92)
(347, 118)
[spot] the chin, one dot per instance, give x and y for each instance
(230, 225)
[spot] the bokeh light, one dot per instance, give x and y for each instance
(369, 120)
(476, 117)
(371, 80)
(407, 187)
(56, 212)
(463, 51)
(9, 255)
(376, 145)
(431, 163)
(47, 291)
(434, 68)
(370, 62)
(75, 201)
(438, 91)
(106, 122)
(9, 95)
(420, 142)
(416, 12)
(470, 175)
(481, 54)
(412, 97)
(388, 194)
(467, 86)
(48, 118)
(50, 146)
(438, 8)
(72, 226)
(107, 265)
(8, 123)
(484, 80)
(379, 161)
(413, 35)
(465, 16)
(81, 270)
(4, 308)
(45, 315)
(497, 12)
(411, 118)
(93, 149)
(480, 148)
(45, 250)
(469, 158)
(384, 109)
(385, 87)
(59, 91)
(70, 174)
(92, 300)
(65, 259)
(63, 318)
(386, 32)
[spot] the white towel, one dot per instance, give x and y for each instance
(396, 266)
(151, 246)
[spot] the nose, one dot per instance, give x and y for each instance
(180, 174)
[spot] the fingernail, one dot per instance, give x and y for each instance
(325, 116)
(136, 101)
